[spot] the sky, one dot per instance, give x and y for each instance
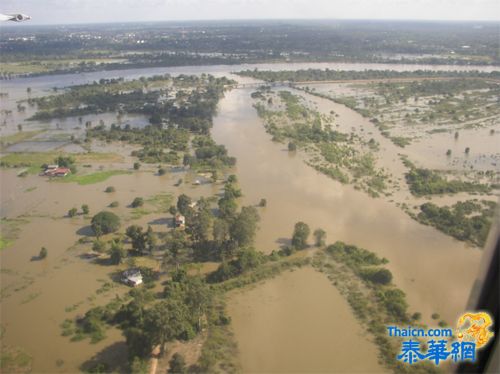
(89, 11)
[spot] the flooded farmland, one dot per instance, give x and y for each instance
(282, 325)
(298, 322)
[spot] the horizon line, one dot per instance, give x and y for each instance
(255, 20)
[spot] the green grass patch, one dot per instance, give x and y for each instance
(4, 242)
(139, 212)
(161, 201)
(93, 178)
(30, 297)
(14, 360)
(10, 230)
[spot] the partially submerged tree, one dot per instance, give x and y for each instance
(300, 234)
(105, 223)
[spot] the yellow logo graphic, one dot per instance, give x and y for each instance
(474, 327)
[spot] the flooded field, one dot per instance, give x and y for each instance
(299, 322)
(418, 254)
(435, 271)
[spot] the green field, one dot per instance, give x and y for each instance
(97, 177)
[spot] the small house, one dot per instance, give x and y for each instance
(56, 172)
(132, 277)
(180, 221)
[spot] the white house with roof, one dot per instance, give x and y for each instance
(132, 277)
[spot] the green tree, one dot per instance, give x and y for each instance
(138, 342)
(105, 223)
(319, 237)
(150, 239)
(292, 147)
(231, 190)
(43, 253)
(220, 231)
(300, 234)
(200, 226)
(139, 366)
(248, 259)
(65, 161)
(117, 252)
(227, 207)
(165, 321)
(183, 202)
(72, 212)
(138, 238)
(85, 209)
(380, 276)
(177, 365)
(175, 242)
(244, 227)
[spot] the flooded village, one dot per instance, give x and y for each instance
(231, 196)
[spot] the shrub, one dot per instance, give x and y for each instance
(137, 165)
(380, 276)
(85, 209)
(138, 201)
(417, 316)
(72, 212)
(109, 189)
(43, 253)
(177, 364)
(99, 246)
(114, 204)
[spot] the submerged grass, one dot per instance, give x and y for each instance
(18, 137)
(86, 179)
(35, 160)
(10, 228)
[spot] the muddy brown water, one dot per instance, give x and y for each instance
(435, 271)
(299, 323)
(36, 294)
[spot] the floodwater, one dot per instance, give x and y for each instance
(36, 294)
(434, 270)
(298, 323)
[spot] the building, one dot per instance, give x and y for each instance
(180, 221)
(132, 277)
(56, 171)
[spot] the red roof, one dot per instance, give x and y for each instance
(58, 171)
